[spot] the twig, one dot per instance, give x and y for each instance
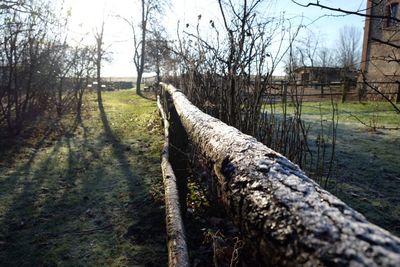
(347, 12)
(358, 119)
(381, 94)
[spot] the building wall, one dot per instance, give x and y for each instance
(380, 62)
(323, 74)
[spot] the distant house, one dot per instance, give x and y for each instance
(149, 79)
(380, 59)
(323, 75)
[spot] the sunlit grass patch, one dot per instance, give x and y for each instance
(366, 165)
(378, 113)
(71, 202)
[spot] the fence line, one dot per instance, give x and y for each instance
(177, 249)
(316, 90)
(285, 217)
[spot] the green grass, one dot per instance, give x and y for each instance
(367, 170)
(378, 113)
(92, 195)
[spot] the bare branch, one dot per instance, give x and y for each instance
(386, 42)
(348, 12)
(381, 94)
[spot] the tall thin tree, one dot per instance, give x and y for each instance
(98, 35)
(148, 9)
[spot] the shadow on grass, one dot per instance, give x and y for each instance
(367, 172)
(80, 203)
(11, 147)
(19, 224)
(148, 229)
(366, 169)
(12, 179)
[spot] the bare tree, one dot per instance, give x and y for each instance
(348, 51)
(379, 69)
(308, 51)
(307, 48)
(100, 52)
(229, 72)
(148, 23)
(38, 67)
(23, 36)
(158, 52)
(15, 5)
(82, 71)
(149, 8)
(325, 57)
(247, 54)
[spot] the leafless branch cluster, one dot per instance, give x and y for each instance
(39, 70)
(150, 11)
(381, 59)
(228, 71)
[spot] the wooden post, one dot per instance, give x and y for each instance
(322, 90)
(345, 88)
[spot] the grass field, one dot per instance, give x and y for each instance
(86, 193)
(373, 114)
(367, 170)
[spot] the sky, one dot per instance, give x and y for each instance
(86, 17)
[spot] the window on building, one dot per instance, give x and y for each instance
(392, 14)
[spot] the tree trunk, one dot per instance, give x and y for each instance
(138, 83)
(59, 97)
(98, 78)
(143, 49)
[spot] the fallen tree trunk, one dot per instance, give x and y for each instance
(177, 248)
(286, 218)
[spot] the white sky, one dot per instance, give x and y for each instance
(86, 16)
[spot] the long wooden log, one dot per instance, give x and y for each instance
(177, 248)
(287, 218)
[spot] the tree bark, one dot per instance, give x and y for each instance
(285, 217)
(143, 48)
(99, 52)
(177, 248)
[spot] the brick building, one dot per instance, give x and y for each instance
(380, 59)
(323, 75)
